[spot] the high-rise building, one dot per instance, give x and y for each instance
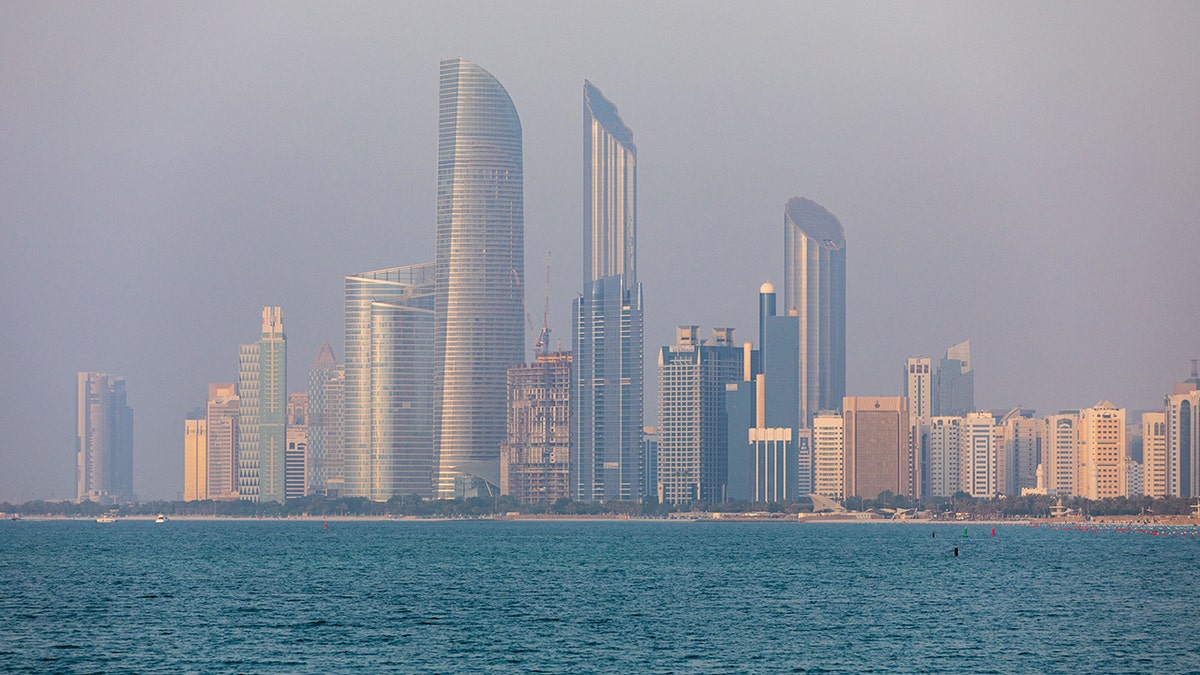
(1102, 451)
(828, 443)
(944, 448)
(535, 460)
(326, 408)
(918, 387)
(1182, 409)
(978, 456)
(1154, 454)
(103, 440)
(878, 448)
(608, 341)
(388, 407)
(222, 417)
(692, 427)
(479, 317)
(295, 471)
(195, 458)
(814, 281)
(1020, 450)
(955, 386)
(262, 423)
(1060, 454)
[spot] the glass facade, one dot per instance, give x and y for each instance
(608, 341)
(326, 381)
(388, 391)
(814, 279)
(479, 325)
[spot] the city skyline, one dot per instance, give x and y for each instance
(1033, 178)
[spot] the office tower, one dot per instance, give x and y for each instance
(692, 428)
(389, 389)
(221, 424)
(649, 461)
(103, 440)
(741, 416)
(262, 435)
(1060, 454)
(1182, 411)
(944, 447)
(814, 281)
(608, 341)
(1102, 450)
(195, 458)
(535, 460)
(978, 456)
(1020, 450)
(295, 465)
(918, 386)
(479, 317)
(326, 406)
(955, 386)
(1154, 454)
(828, 443)
(878, 455)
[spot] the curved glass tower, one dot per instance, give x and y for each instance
(607, 462)
(388, 388)
(479, 316)
(814, 286)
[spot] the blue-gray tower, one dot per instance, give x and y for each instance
(606, 462)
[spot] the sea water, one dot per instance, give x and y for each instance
(583, 597)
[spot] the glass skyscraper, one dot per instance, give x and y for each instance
(814, 285)
(387, 432)
(104, 439)
(608, 340)
(479, 324)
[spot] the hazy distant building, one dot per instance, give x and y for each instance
(1020, 451)
(262, 389)
(195, 458)
(388, 427)
(1183, 437)
(326, 424)
(535, 460)
(1154, 454)
(814, 280)
(608, 340)
(479, 316)
(692, 428)
(1102, 450)
(222, 417)
(295, 481)
(103, 439)
(943, 447)
(828, 445)
(1134, 478)
(1060, 454)
(878, 455)
(978, 456)
(649, 461)
(918, 386)
(955, 385)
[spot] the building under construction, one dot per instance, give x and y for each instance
(535, 460)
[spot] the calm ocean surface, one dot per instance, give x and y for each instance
(250, 597)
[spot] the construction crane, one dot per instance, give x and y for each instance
(542, 346)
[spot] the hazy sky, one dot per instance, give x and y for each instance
(1025, 175)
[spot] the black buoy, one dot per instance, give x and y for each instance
(955, 551)
(935, 535)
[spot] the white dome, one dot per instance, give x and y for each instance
(767, 287)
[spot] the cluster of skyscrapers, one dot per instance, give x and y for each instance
(434, 399)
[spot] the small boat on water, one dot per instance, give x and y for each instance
(162, 518)
(106, 519)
